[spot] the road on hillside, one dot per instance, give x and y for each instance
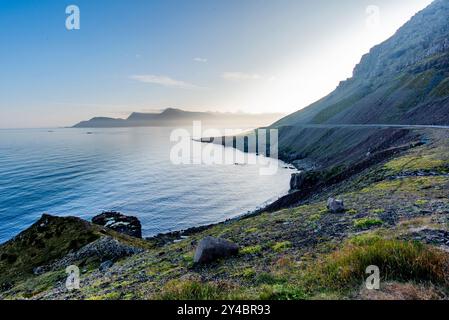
(399, 126)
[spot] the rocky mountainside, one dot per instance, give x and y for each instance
(404, 80)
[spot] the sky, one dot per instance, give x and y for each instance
(253, 56)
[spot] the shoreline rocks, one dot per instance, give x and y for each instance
(118, 222)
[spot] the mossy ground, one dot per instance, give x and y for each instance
(303, 252)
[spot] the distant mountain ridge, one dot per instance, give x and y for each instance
(173, 116)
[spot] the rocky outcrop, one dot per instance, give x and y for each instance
(335, 205)
(211, 249)
(55, 242)
(118, 222)
(105, 249)
(304, 180)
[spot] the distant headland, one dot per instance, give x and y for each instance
(175, 117)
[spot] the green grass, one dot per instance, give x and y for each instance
(315, 217)
(191, 290)
(281, 246)
(421, 202)
(367, 223)
(413, 163)
(282, 292)
(397, 260)
(251, 250)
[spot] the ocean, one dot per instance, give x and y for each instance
(83, 172)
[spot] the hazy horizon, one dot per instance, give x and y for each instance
(252, 56)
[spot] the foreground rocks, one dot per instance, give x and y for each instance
(52, 243)
(211, 249)
(105, 249)
(116, 221)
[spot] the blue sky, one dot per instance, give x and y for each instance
(142, 55)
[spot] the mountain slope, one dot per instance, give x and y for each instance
(404, 80)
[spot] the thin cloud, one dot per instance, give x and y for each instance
(163, 81)
(241, 76)
(198, 59)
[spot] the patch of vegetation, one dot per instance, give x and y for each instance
(108, 296)
(266, 278)
(281, 246)
(410, 184)
(421, 202)
(366, 223)
(251, 230)
(192, 290)
(397, 260)
(251, 250)
(315, 217)
(413, 163)
(282, 292)
(364, 239)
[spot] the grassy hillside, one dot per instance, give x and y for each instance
(397, 218)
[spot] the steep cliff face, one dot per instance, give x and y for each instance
(404, 80)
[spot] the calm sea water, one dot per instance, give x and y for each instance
(82, 172)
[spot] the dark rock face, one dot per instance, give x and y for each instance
(118, 222)
(304, 180)
(211, 249)
(335, 206)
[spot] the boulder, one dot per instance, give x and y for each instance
(335, 205)
(211, 249)
(106, 265)
(119, 222)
